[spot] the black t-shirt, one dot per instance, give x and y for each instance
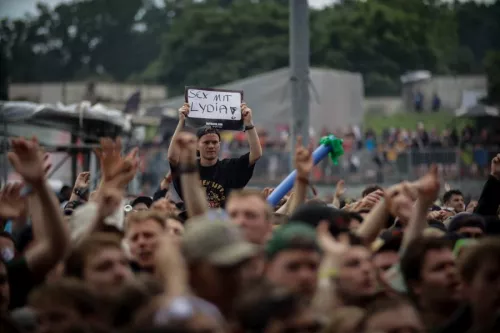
(21, 282)
(219, 179)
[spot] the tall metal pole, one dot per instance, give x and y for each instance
(299, 70)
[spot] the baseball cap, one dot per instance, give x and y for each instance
(466, 220)
(216, 241)
(313, 213)
(148, 201)
(292, 235)
(207, 130)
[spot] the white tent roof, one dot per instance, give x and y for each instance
(471, 106)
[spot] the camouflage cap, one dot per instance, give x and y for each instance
(290, 236)
(219, 242)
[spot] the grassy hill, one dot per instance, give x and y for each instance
(409, 120)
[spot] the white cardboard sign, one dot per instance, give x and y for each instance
(214, 107)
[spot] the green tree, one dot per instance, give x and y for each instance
(383, 40)
(492, 66)
(84, 38)
(209, 45)
(210, 42)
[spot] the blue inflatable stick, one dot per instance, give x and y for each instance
(329, 145)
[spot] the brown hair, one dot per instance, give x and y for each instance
(138, 217)
(75, 263)
(413, 259)
(245, 193)
(172, 216)
(370, 189)
(381, 305)
(488, 249)
(68, 293)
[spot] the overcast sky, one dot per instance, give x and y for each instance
(17, 8)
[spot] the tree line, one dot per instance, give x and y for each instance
(210, 42)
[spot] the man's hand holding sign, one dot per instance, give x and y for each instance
(211, 110)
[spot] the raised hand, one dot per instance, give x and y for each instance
(428, 186)
(267, 191)
(495, 167)
(327, 242)
(126, 169)
(12, 205)
(400, 198)
(165, 182)
(369, 201)
(82, 181)
(108, 200)
(436, 215)
(28, 160)
(109, 155)
(164, 205)
(246, 114)
(471, 206)
(184, 111)
(340, 189)
(186, 143)
(303, 159)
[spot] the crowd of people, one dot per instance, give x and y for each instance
(206, 254)
(368, 156)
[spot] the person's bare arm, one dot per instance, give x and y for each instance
(194, 196)
(13, 207)
(284, 209)
(252, 136)
(339, 192)
(171, 268)
(303, 165)
(428, 191)
(36, 215)
(28, 162)
(81, 183)
(54, 245)
(325, 298)
(173, 150)
(374, 221)
(108, 201)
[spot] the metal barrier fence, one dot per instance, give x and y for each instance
(357, 167)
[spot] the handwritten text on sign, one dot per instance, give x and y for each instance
(213, 104)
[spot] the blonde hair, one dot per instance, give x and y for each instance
(245, 193)
(349, 315)
(138, 217)
(433, 232)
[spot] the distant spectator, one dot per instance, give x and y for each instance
(435, 141)
(422, 134)
(436, 102)
(419, 101)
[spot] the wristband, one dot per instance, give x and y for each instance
(188, 168)
(82, 193)
(249, 127)
(328, 273)
(303, 180)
